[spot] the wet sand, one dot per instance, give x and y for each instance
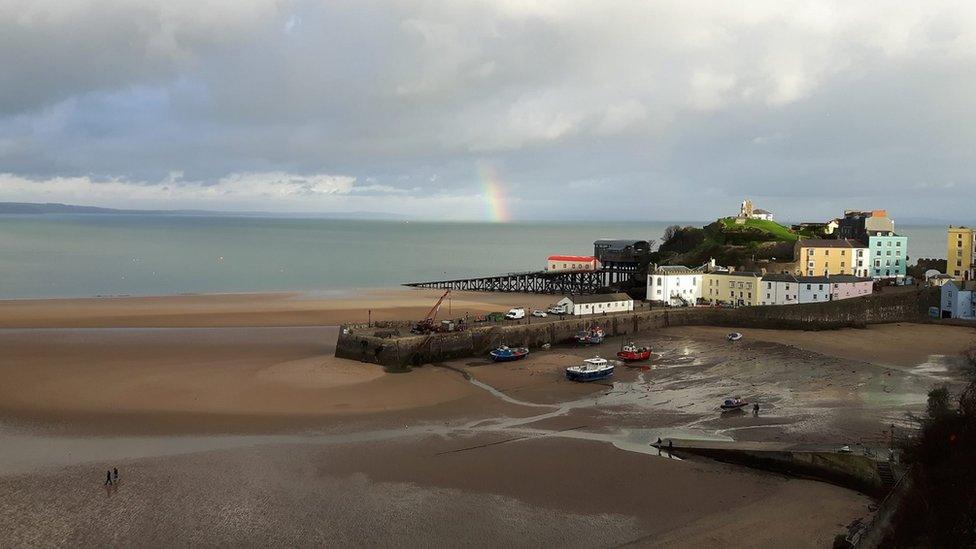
(258, 436)
(420, 492)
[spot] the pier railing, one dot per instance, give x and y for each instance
(536, 282)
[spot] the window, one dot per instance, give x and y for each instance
(769, 285)
(826, 252)
(659, 280)
(898, 244)
(808, 286)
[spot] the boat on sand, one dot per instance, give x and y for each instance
(593, 336)
(734, 403)
(507, 354)
(633, 353)
(592, 369)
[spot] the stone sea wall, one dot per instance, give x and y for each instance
(382, 345)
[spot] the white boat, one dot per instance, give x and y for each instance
(592, 369)
(734, 336)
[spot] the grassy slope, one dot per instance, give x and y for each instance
(772, 227)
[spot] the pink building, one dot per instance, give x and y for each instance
(848, 286)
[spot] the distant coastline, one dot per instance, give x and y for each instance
(36, 208)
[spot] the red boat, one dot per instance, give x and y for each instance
(633, 353)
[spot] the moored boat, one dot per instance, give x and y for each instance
(734, 403)
(593, 336)
(592, 369)
(734, 336)
(507, 354)
(633, 353)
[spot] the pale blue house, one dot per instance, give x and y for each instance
(888, 255)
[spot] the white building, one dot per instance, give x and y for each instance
(959, 299)
(597, 304)
(813, 289)
(569, 263)
(675, 285)
(778, 289)
(748, 211)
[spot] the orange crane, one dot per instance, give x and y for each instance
(427, 326)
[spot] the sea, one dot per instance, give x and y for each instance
(86, 255)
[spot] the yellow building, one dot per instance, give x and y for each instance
(823, 257)
(961, 253)
(739, 288)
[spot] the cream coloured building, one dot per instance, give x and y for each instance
(737, 288)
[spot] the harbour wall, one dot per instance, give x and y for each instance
(848, 470)
(385, 345)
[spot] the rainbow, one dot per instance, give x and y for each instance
(495, 199)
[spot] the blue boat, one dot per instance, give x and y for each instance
(592, 369)
(506, 354)
(593, 336)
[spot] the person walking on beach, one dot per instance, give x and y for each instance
(755, 409)
(108, 478)
(115, 475)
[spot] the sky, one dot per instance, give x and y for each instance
(492, 110)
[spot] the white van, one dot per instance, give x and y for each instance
(557, 309)
(515, 314)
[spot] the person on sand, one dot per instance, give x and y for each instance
(108, 478)
(755, 409)
(115, 475)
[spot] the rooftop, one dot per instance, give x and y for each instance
(829, 243)
(599, 298)
(579, 258)
(676, 269)
(779, 277)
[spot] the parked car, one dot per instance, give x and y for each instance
(515, 314)
(539, 313)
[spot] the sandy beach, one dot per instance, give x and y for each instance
(268, 309)
(254, 434)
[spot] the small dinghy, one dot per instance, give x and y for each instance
(734, 336)
(506, 354)
(592, 369)
(734, 403)
(593, 336)
(633, 353)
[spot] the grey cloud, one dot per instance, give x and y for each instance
(682, 108)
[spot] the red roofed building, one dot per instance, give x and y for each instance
(566, 263)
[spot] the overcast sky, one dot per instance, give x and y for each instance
(654, 110)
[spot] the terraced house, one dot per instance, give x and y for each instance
(823, 257)
(889, 255)
(961, 253)
(778, 289)
(736, 288)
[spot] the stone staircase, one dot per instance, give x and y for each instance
(887, 475)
